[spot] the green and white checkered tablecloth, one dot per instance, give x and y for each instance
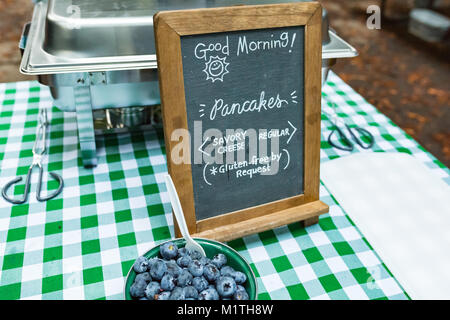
(82, 244)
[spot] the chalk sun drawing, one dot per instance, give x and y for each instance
(216, 68)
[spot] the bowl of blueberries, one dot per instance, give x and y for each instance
(171, 272)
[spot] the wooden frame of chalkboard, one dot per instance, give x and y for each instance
(173, 26)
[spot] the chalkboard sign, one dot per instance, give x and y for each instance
(248, 86)
(240, 90)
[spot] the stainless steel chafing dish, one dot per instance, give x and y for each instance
(98, 58)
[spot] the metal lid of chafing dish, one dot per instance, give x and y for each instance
(102, 35)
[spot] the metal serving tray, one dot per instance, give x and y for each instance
(105, 35)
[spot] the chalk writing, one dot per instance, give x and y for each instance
(222, 109)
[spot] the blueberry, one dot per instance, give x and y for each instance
(204, 261)
(208, 294)
(185, 278)
(173, 268)
(140, 265)
(184, 261)
(239, 287)
(219, 260)
(183, 252)
(152, 290)
(158, 269)
(144, 298)
(167, 282)
(177, 294)
(200, 283)
(239, 277)
(190, 292)
(226, 286)
(196, 268)
(168, 250)
(241, 295)
(151, 262)
(211, 272)
(165, 295)
(195, 255)
(143, 276)
(227, 271)
(137, 289)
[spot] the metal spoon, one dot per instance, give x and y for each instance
(191, 244)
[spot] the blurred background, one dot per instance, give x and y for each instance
(405, 77)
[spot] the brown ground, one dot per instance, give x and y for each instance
(404, 77)
(13, 15)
